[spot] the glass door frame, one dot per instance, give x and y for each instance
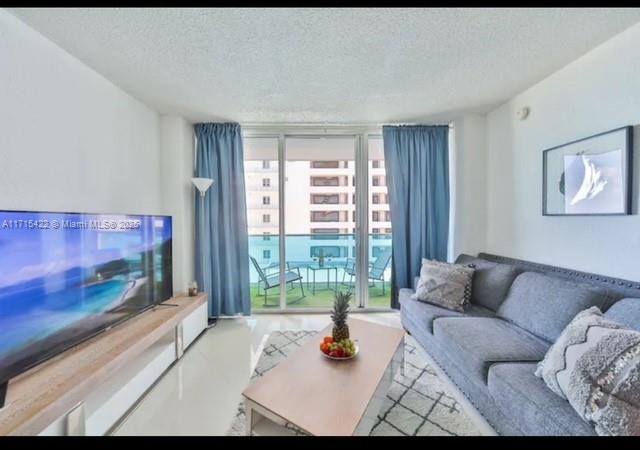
(361, 135)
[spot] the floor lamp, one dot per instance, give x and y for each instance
(203, 185)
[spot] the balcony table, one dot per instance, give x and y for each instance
(314, 267)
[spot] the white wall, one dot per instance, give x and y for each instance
(598, 92)
(178, 194)
(69, 139)
(468, 188)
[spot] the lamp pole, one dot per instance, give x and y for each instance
(203, 185)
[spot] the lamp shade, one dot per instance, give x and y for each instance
(202, 184)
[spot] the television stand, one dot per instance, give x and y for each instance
(90, 388)
(3, 393)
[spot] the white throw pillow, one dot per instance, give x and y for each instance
(595, 365)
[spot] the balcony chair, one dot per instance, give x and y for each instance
(271, 281)
(376, 269)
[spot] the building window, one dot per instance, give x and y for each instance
(266, 218)
(381, 216)
(375, 164)
(325, 181)
(266, 254)
(353, 199)
(266, 200)
(353, 181)
(325, 216)
(353, 216)
(325, 199)
(375, 230)
(378, 198)
(387, 230)
(266, 182)
(378, 180)
(329, 251)
(324, 233)
(266, 164)
(325, 164)
(266, 236)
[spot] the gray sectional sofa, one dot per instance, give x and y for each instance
(517, 311)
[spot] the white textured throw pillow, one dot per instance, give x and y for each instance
(595, 365)
(446, 285)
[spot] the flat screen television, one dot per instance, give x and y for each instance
(64, 277)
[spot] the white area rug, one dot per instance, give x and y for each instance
(418, 402)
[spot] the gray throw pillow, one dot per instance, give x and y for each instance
(595, 365)
(443, 284)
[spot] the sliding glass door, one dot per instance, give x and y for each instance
(379, 237)
(320, 217)
(262, 184)
(318, 220)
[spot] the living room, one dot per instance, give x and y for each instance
(209, 213)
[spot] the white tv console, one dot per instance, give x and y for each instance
(89, 388)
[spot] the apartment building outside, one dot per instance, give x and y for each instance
(320, 210)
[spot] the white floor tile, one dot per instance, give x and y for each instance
(200, 393)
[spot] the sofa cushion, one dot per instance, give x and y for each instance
(544, 305)
(491, 281)
(425, 313)
(626, 312)
(527, 401)
(478, 342)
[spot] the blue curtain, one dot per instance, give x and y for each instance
(417, 168)
(222, 253)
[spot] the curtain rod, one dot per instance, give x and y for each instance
(334, 125)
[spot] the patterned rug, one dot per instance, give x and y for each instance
(418, 402)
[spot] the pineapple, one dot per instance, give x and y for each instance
(339, 315)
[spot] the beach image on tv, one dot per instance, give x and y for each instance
(64, 277)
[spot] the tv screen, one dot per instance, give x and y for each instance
(66, 276)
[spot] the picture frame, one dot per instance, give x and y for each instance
(591, 176)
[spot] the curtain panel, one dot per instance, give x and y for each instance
(417, 169)
(222, 253)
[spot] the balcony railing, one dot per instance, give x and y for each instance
(321, 264)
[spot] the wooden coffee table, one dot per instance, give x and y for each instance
(319, 396)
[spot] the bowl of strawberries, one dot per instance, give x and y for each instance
(339, 350)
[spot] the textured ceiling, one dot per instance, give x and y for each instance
(326, 65)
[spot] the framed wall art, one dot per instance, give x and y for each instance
(590, 176)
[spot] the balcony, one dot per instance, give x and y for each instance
(318, 265)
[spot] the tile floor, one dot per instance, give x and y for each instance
(200, 393)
